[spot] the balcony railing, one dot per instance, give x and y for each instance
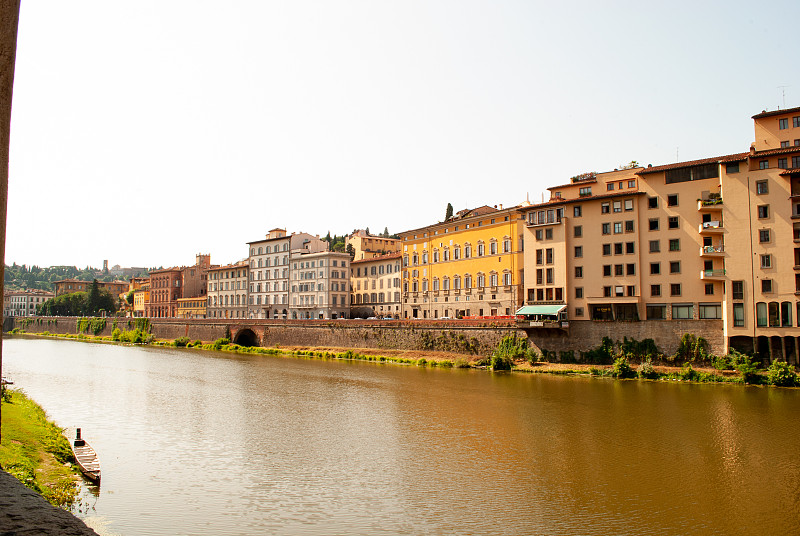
(714, 226)
(712, 274)
(712, 250)
(709, 204)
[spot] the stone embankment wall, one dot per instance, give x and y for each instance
(469, 337)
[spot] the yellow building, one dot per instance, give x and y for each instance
(468, 266)
(192, 307)
(141, 296)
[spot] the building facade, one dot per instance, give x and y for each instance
(367, 246)
(468, 266)
(319, 285)
(24, 302)
(710, 239)
(227, 291)
(165, 291)
(375, 287)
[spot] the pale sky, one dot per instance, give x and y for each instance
(144, 132)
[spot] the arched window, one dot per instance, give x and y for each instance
(786, 314)
(774, 315)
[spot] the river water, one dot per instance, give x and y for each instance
(209, 443)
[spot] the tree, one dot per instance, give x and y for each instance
(351, 250)
(93, 301)
(129, 297)
(449, 212)
(367, 231)
(385, 232)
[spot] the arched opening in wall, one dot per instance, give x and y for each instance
(762, 349)
(742, 344)
(776, 342)
(791, 350)
(246, 337)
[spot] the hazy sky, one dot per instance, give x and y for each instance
(144, 132)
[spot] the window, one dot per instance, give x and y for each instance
(579, 292)
(628, 226)
(655, 268)
(738, 315)
(766, 261)
(709, 289)
(605, 208)
(606, 270)
(629, 247)
(610, 186)
(672, 222)
(549, 255)
(675, 267)
(655, 290)
(481, 249)
(766, 285)
(578, 251)
(606, 249)
(783, 124)
(655, 246)
(737, 290)
(784, 145)
(674, 244)
(733, 167)
(630, 269)
(675, 289)
(577, 211)
(796, 121)
(763, 235)
(628, 205)
(761, 314)
(606, 228)
(585, 191)
(493, 247)
(796, 159)
(579, 271)
(763, 211)
(548, 234)
(709, 311)
(653, 224)
(617, 227)
(761, 187)
(579, 311)
(656, 312)
(782, 163)
(763, 164)
(683, 312)
(618, 248)
(618, 270)
(672, 200)
(617, 206)
(632, 183)
(652, 202)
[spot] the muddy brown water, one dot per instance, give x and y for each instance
(210, 443)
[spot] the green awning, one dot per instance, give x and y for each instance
(540, 310)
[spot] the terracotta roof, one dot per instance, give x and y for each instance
(395, 255)
(579, 183)
(782, 150)
(776, 112)
(793, 171)
(738, 157)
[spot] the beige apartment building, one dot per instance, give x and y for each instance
(227, 291)
(319, 284)
(375, 287)
(710, 239)
(468, 266)
(24, 302)
(367, 246)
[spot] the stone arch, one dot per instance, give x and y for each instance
(246, 337)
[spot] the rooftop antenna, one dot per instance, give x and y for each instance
(783, 94)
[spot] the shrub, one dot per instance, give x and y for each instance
(722, 362)
(461, 363)
(421, 362)
(181, 342)
(688, 373)
(500, 362)
(219, 343)
(639, 349)
(692, 348)
(116, 334)
(781, 374)
(747, 369)
(622, 369)
(646, 370)
(602, 354)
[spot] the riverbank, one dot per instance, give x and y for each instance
(779, 374)
(35, 451)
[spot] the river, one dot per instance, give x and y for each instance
(207, 443)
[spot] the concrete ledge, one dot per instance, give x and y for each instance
(23, 512)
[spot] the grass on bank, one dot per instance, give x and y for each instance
(610, 359)
(34, 450)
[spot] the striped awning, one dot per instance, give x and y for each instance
(540, 309)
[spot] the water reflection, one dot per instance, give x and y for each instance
(201, 443)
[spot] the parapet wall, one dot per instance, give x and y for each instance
(469, 337)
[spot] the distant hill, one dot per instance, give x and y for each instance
(21, 276)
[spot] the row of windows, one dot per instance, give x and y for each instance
(394, 282)
(786, 144)
(783, 123)
(456, 253)
(269, 249)
(507, 279)
(268, 262)
(491, 221)
(226, 274)
(374, 297)
(379, 270)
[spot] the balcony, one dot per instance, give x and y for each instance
(546, 324)
(707, 205)
(712, 275)
(711, 227)
(712, 251)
